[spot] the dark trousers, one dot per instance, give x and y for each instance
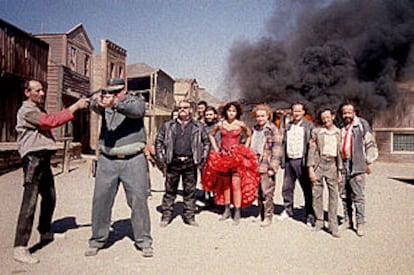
(38, 179)
(295, 171)
(188, 171)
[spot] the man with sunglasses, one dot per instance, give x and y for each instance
(181, 147)
(121, 145)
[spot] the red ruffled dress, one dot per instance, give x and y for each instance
(232, 159)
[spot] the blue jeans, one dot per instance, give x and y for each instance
(353, 191)
(134, 177)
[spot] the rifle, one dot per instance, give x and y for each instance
(94, 93)
(102, 91)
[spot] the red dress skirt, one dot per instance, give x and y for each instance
(220, 167)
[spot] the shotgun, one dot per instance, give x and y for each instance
(94, 93)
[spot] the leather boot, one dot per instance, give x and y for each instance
(236, 217)
(226, 214)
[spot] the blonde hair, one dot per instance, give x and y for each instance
(263, 107)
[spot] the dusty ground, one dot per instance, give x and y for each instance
(288, 247)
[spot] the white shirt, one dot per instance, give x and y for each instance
(295, 139)
(258, 141)
(330, 147)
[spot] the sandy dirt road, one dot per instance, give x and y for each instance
(287, 247)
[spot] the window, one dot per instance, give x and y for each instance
(121, 72)
(403, 142)
(112, 70)
(86, 66)
(73, 58)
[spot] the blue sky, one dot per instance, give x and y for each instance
(185, 38)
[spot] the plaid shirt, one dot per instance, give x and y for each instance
(272, 151)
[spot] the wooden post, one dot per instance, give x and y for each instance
(92, 165)
(66, 154)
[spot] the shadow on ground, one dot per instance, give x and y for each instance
(59, 226)
(408, 181)
(120, 230)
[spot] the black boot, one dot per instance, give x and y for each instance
(226, 214)
(236, 217)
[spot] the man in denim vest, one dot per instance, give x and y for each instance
(121, 144)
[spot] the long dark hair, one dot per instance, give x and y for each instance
(236, 105)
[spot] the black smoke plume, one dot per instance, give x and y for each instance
(323, 53)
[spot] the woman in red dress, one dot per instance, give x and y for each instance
(231, 168)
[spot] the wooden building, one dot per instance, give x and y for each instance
(22, 57)
(68, 77)
(211, 100)
(394, 128)
(157, 87)
(186, 88)
(110, 63)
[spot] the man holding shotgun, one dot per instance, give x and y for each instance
(121, 144)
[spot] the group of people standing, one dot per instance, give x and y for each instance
(237, 164)
(340, 157)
